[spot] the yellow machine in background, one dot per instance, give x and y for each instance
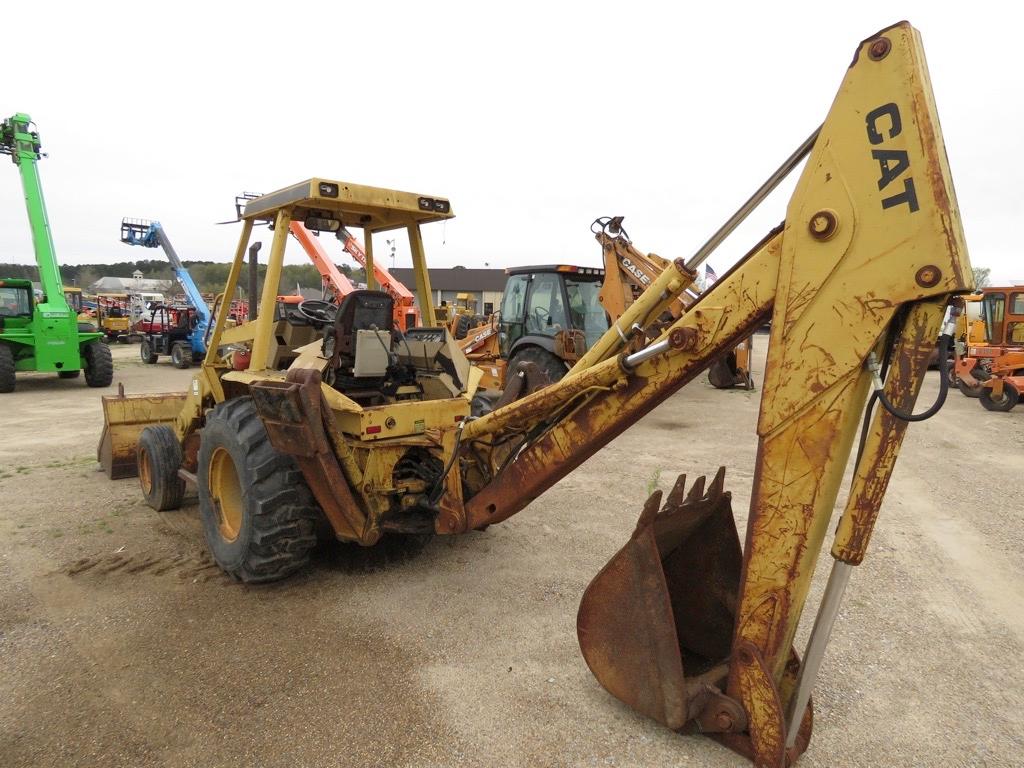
(114, 315)
(372, 432)
(73, 295)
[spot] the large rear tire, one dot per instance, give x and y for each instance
(158, 458)
(553, 366)
(99, 365)
(181, 355)
(258, 515)
(6, 368)
(1009, 399)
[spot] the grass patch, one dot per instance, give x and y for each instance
(652, 482)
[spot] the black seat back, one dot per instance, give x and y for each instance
(360, 311)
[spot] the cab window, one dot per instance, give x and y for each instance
(74, 300)
(513, 302)
(545, 311)
(15, 302)
(585, 309)
(993, 310)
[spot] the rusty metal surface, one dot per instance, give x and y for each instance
(665, 601)
(293, 412)
(910, 365)
(759, 695)
(747, 291)
(124, 418)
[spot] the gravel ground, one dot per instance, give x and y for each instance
(123, 645)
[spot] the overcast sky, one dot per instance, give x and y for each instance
(533, 118)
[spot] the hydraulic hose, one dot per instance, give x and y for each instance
(945, 345)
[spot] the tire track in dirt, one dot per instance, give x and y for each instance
(198, 568)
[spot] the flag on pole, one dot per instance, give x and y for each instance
(709, 276)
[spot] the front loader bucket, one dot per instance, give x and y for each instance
(666, 603)
(124, 418)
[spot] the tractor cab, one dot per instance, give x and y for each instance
(556, 308)
(16, 304)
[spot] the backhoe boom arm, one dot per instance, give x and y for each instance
(870, 252)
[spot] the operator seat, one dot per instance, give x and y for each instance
(359, 311)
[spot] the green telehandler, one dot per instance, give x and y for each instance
(42, 335)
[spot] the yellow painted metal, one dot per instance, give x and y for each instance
(371, 277)
(240, 333)
(402, 419)
(373, 208)
(610, 392)
(216, 336)
(879, 171)
(261, 340)
(419, 263)
(124, 418)
(871, 226)
(226, 492)
(664, 290)
(885, 436)
(621, 258)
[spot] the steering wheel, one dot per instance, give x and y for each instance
(540, 317)
(317, 311)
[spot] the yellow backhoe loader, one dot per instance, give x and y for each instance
(372, 432)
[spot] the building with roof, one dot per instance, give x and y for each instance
(484, 285)
(134, 284)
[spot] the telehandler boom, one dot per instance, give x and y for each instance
(682, 624)
(42, 335)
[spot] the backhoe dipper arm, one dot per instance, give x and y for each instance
(865, 262)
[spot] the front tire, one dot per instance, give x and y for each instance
(99, 365)
(1009, 399)
(158, 458)
(258, 515)
(6, 369)
(146, 352)
(181, 355)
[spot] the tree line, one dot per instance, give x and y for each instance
(210, 276)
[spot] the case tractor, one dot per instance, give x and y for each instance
(370, 431)
(43, 335)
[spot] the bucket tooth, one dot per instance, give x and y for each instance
(666, 602)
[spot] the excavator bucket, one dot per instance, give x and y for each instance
(124, 418)
(656, 624)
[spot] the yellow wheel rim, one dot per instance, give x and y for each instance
(226, 493)
(145, 473)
